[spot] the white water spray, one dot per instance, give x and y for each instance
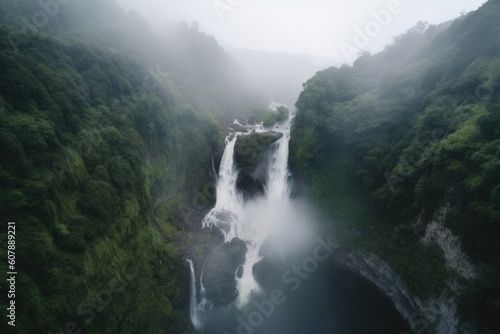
(229, 202)
(256, 221)
(194, 307)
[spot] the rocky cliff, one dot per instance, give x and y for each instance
(251, 156)
(436, 314)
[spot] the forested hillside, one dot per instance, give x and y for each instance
(107, 133)
(190, 64)
(387, 144)
(111, 134)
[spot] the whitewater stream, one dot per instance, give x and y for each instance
(304, 294)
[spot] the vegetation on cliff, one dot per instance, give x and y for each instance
(249, 149)
(107, 133)
(404, 132)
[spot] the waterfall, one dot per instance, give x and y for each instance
(229, 202)
(194, 309)
(260, 220)
(255, 221)
(278, 187)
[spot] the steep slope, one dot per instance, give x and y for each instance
(106, 148)
(189, 62)
(86, 150)
(401, 150)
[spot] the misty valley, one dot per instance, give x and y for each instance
(157, 180)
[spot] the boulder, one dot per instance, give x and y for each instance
(269, 270)
(266, 273)
(220, 270)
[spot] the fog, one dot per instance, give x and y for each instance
(317, 27)
(280, 45)
(251, 166)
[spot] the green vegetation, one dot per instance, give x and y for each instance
(108, 130)
(249, 149)
(75, 179)
(106, 134)
(400, 134)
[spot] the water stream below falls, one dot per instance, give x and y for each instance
(282, 281)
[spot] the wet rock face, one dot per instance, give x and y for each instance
(251, 155)
(267, 273)
(269, 270)
(249, 150)
(221, 266)
(249, 186)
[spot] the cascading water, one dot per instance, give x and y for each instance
(259, 219)
(229, 202)
(194, 306)
(280, 246)
(245, 224)
(253, 222)
(278, 187)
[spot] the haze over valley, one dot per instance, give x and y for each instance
(250, 167)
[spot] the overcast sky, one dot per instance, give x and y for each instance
(329, 28)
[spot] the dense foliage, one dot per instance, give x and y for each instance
(107, 132)
(386, 143)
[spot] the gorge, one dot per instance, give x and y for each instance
(262, 273)
(373, 208)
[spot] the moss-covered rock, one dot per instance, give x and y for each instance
(249, 150)
(251, 156)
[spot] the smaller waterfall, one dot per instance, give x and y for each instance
(278, 187)
(194, 308)
(204, 303)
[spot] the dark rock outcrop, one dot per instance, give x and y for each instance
(239, 272)
(267, 274)
(251, 156)
(269, 270)
(219, 276)
(249, 186)
(249, 149)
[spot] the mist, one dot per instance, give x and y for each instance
(297, 27)
(250, 166)
(279, 45)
